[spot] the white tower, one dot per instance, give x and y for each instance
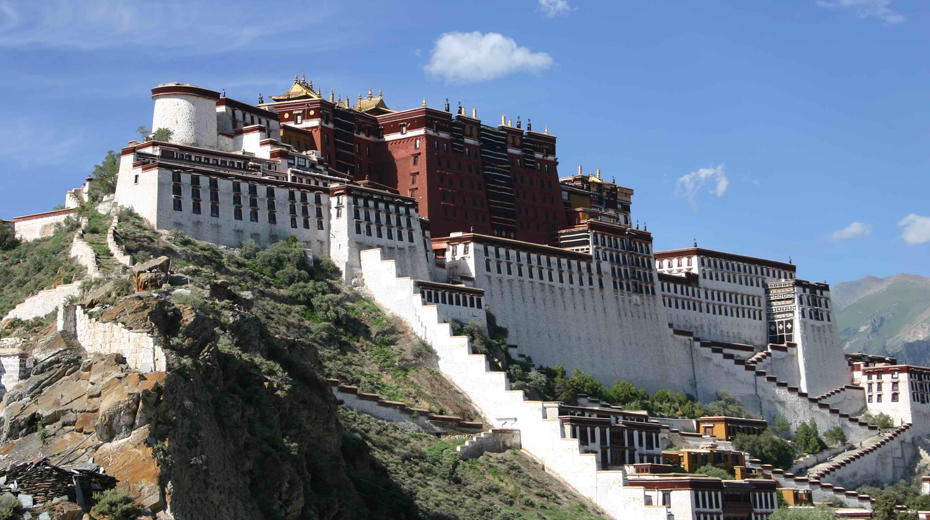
(188, 111)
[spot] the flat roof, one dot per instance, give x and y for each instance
(726, 256)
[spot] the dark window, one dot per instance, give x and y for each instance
(214, 210)
(237, 213)
(195, 207)
(253, 215)
(177, 205)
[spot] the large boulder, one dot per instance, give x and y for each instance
(152, 274)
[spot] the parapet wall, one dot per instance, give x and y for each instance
(44, 302)
(85, 255)
(140, 350)
(115, 249)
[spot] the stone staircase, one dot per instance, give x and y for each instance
(502, 407)
(790, 399)
(848, 466)
(823, 492)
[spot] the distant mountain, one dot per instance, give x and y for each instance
(885, 316)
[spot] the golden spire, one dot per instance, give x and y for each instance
(503, 120)
(380, 93)
(598, 173)
(424, 101)
(332, 96)
(510, 122)
(579, 170)
(303, 79)
(547, 129)
(369, 94)
(474, 112)
(360, 95)
(296, 79)
(340, 98)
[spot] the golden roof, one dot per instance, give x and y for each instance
(373, 105)
(299, 90)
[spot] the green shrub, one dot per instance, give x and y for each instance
(835, 436)
(8, 505)
(782, 427)
(883, 421)
(807, 438)
(814, 513)
(8, 238)
(713, 471)
(116, 504)
(767, 448)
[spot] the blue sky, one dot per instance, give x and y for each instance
(767, 128)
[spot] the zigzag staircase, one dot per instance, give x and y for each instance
(504, 408)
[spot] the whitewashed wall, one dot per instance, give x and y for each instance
(140, 350)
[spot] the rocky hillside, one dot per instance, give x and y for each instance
(242, 423)
(885, 315)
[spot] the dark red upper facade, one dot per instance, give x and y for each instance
(465, 176)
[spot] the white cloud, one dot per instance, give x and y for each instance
(867, 9)
(916, 229)
(105, 24)
(468, 57)
(553, 8)
(854, 230)
(689, 185)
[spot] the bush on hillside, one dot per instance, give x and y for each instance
(116, 504)
(8, 238)
(767, 448)
(713, 471)
(8, 505)
(807, 438)
(883, 421)
(36, 265)
(834, 436)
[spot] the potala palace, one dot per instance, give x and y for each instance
(439, 217)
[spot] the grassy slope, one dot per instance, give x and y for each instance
(34, 266)
(899, 305)
(370, 350)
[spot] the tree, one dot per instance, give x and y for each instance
(835, 436)
(807, 438)
(162, 134)
(767, 448)
(104, 175)
(883, 421)
(713, 471)
(884, 507)
(8, 238)
(727, 405)
(782, 427)
(145, 132)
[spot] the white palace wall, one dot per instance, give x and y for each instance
(822, 364)
(607, 333)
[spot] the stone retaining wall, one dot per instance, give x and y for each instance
(43, 302)
(140, 350)
(394, 411)
(85, 255)
(115, 249)
(493, 441)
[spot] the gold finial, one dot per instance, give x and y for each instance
(474, 112)
(296, 79)
(369, 93)
(310, 85)
(340, 98)
(318, 90)
(579, 170)
(424, 101)
(380, 93)
(303, 79)
(503, 120)
(598, 173)
(332, 96)
(547, 129)
(360, 96)
(510, 123)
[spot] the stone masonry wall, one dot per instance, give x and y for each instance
(115, 249)
(140, 350)
(43, 302)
